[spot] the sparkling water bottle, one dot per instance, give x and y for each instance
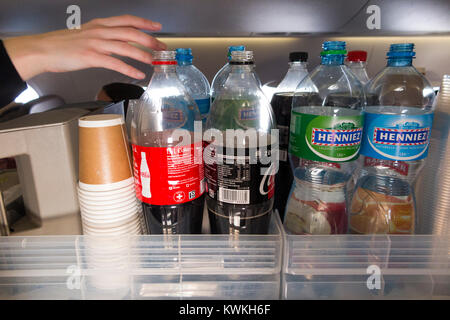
(356, 62)
(397, 127)
(281, 105)
(194, 80)
(167, 155)
(239, 166)
(325, 137)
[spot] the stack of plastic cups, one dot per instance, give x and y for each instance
(109, 208)
(434, 202)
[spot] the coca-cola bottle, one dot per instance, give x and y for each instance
(238, 154)
(166, 149)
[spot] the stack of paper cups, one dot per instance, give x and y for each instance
(107, 199)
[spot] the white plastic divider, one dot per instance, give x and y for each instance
(142, 267)
(366, 267)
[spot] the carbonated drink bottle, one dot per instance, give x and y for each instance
(239, 165)
(397, 127)
(170, 180)
(194, 80)
(325, 137)
(281, 105)
(222, 75)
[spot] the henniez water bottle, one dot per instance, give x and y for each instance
(170, 180)
(397, 129)
(356, 62)
(325, 137)
(240, 153)
(222, 75)
(194, 80)
(281, 105)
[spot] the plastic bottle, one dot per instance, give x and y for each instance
(282, 105)
(163, 132)
(239, 169)
(356, 62)
(194, 80)
(222, 75)
(325, 137)
(397, 127)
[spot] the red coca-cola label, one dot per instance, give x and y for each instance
(167, 176)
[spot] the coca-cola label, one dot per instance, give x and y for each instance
(168, 176)
(234, 178)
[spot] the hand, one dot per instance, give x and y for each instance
(88, 47)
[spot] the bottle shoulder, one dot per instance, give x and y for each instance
(401, 86)
(291, 80)
(194, 80)
(330, 85)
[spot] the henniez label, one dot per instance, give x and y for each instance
(325, 138)
(396, 137)
(167, 176)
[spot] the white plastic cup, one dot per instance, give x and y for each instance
(98, 211)
(110, 217)
(127, 229)
(106, 187)
(90, 193)
(110, 223)
(102, 206)
(114, 202)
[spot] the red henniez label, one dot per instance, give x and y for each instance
(399, 166)
(167, 176)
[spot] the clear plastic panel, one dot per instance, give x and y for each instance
(142, 267)
(366, 267)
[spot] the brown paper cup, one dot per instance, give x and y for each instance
(104, 156)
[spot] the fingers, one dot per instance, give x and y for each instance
(123, 49)
(128, 34)
(127, 21)
(104, 61)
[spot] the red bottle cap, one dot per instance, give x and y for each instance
(357, 55)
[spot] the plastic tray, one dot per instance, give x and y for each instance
(366, 267)
(142, 267)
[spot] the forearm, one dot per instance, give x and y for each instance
(25, 54)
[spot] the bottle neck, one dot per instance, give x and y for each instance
(399, 62)
(296, 65)
(243, 73)
(241, 68)
(185, 62)
(333, 59)
(165, 68)
(357, 64)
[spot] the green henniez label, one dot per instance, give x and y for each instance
(325, 138)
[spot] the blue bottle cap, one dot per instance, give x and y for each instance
(333, 47)
(236, 48)
(184, 54)
(401, 50)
